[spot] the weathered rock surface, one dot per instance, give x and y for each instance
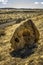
(25, 34)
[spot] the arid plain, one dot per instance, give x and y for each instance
(9, 19)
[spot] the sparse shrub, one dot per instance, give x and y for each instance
(19, 20)
(2, 32)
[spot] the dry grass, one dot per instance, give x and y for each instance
(5, 35)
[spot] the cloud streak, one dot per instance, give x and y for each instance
(36, 2)
(4, 1)
(21, 3)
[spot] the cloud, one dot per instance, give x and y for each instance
(41, 2)
(36, 2)
(4, 1)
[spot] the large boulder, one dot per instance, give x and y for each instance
(26, 34)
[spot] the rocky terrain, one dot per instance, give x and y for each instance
(7, 54)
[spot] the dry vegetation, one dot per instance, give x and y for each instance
(6, 33)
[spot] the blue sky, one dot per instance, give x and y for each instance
(21, 3)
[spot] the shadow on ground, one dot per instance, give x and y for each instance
(24, 52)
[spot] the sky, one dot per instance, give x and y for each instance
(21, 4)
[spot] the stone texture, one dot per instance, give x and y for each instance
(25, 34)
